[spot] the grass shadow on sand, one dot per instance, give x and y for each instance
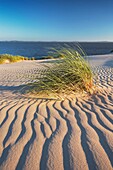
(15, 89)
(22, 91)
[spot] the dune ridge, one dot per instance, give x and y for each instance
(36, 133)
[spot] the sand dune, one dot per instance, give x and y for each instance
(76, 133)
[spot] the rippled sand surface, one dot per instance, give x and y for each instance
(35, 133)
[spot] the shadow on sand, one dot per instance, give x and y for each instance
(23, 91)
(15, 89)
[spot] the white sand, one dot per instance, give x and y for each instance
(45, 134)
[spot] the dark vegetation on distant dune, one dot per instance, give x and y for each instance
(111, 51)
(53, 57)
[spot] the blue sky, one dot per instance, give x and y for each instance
(56, 20)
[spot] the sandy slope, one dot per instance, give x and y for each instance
(44, 134)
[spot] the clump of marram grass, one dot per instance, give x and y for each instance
(48, 57)
(68, 75)
(5, 58)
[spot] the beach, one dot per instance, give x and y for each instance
(39, 133)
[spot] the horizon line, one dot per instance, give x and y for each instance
(54, 41)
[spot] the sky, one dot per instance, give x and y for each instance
(56, 20)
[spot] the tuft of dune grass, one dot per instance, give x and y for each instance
(7, 57)
(72, 73)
